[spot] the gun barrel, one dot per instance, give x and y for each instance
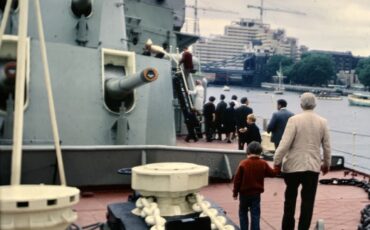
(118, 88)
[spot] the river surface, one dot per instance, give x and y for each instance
(349, 125)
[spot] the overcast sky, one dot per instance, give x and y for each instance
(336, 25)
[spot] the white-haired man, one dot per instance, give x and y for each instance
(198, 93)
(299, 155)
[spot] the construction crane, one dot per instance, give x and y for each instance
(196, 18)
(261, 8)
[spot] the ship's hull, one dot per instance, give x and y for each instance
(99, 165)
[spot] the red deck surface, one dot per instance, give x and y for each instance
(339, 206)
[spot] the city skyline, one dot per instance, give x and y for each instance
(333, 25)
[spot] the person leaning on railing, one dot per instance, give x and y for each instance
(187, 62)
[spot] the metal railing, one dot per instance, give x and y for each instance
(356, 158)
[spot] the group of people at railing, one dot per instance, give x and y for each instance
(234, 119)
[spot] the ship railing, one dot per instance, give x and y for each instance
(184, 79)
(180, 69)
(186, 85)
(352, 146)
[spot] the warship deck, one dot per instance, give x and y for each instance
(339, 206)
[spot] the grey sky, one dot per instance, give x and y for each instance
(337, 25)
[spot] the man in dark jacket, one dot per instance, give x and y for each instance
(278, 122)
(209, 110)
(229, 127)
(220, 116)
(241, 114)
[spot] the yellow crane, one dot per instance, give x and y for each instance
(196, 18)
(262, 8)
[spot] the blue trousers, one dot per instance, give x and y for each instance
(252, 204)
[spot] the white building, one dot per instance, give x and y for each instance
(237, 39)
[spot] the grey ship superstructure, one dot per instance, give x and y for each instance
(114, 106)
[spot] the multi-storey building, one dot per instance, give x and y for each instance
(239, 35)
(232, 43)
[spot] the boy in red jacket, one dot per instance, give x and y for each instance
(249, 184)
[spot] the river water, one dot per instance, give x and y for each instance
(349, 125)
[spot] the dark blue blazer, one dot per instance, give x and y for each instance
(277, 124)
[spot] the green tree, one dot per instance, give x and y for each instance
(273, 65)
(363, 71)
(313, 69)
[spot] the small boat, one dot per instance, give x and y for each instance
(226, 88)
(328, 95)
(279, 91)
(359, 99)
(279, 77)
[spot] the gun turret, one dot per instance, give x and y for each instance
(118, 90)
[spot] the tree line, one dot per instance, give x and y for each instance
(313, 70)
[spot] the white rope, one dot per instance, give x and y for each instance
(19, 94)
(53, 118)
(218, 222)
(5, 19)
(148, 209)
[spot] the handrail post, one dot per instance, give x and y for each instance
(353, 149)
(49, 92)
(264, 124)
(19, 94)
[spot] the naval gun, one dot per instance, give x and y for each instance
(120, 90)
(96, 65)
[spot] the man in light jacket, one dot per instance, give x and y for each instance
(299, 155)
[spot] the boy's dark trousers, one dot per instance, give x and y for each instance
(252, 202)
(242, 137)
